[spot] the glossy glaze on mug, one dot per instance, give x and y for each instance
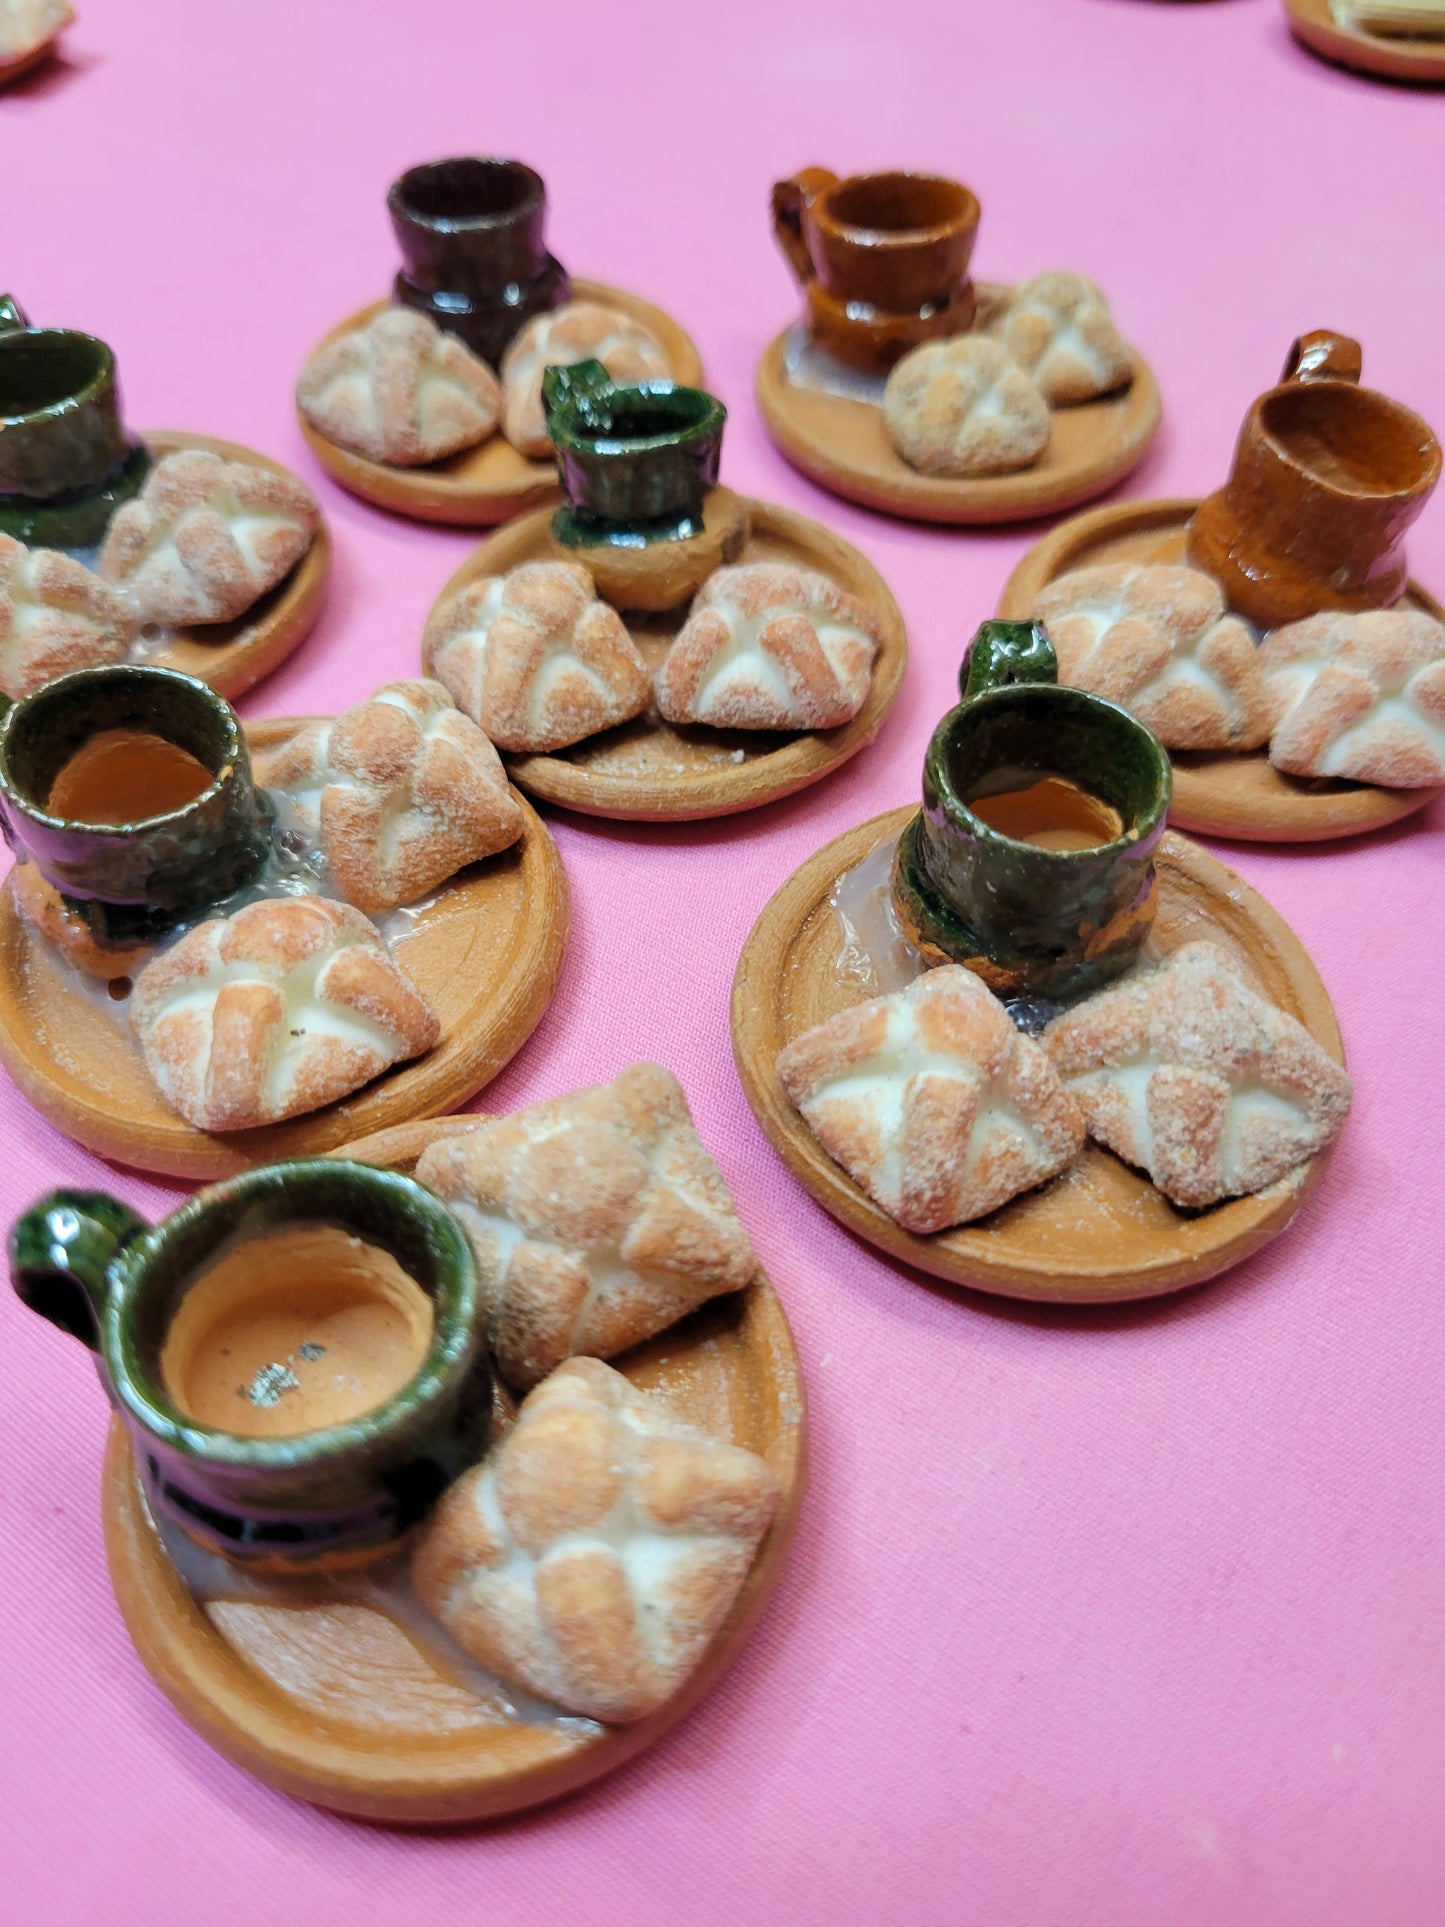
(1328, 478)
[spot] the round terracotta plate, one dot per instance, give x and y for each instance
(1217, 792)
(233, 656)
(485, 954)
(492, 483)
(21, 64)
(657, 772)
(1313, 24)
(1098, 1233)
(333, 1700)
(843, 445)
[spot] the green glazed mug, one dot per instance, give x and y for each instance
(190, 1321)
(1032, 859)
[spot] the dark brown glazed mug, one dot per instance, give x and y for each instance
(882, 259)
(1328, 477)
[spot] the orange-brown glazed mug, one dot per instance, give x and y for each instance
(1328, 477)
(882, 259)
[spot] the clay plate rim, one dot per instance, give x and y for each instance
(882, 480)
(225, 1701)
(980, 1256)
(715, 790)
(497, 1020)
(1231, 794)
(33, 57)
(272, 629)
(1313, 24)
(444, 491)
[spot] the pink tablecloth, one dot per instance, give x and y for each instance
(1127, 1617)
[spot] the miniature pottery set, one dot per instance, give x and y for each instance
(1389, 39)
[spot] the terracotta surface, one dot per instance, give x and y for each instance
(652, 771)
(1313, 24)
(332, 1700)
(1098, 1234)
(27, 63)
(660, 575)
(1216, 792)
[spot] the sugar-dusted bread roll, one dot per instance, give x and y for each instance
(403, 791)
(1059, 330)
(768, 646)
(535, 658)
(1359, 696)
(963, 406)
(55, 616)
(400, 390)
(597, 1219)
(28, 24)
(932, 1101)
(1156, 639)
(595, 1551)
(205, 538)
(282, 1007)
(577, 331)
(1187, 1073)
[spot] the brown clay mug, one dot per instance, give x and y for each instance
(1328, 477)
(882, 259)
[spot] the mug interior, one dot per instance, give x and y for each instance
(910, 206)
(652, 415)
(46, 368)
(1351, 438)
(467, 193)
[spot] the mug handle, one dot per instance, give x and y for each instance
(791, 201)
(1003, 653)
(584, 387)
(12, 315)
(60, 1255)
(1322, 355)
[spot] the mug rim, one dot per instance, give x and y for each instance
(1378, 404)
(533, 196)
(968, 215)
(709, 422)
(53, 409)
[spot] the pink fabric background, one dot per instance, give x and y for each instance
(1128, 1617)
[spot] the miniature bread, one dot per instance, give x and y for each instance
(578, 331)
(597, 1219)
(205, 538)
(1359, 696)
(1157, 640)
(47, 912)
(28, 24)
(1188, 1074)
(768, 646)
(403, 791)
(535, 658)
(273, 1011)
(399, 390)
(932, 1101)
(595, 1551)
(1059, 330)
(963, 406)
(55, 616)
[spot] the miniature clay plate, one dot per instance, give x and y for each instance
(492, 483)
(656, 772)
(1313, 24)
(843, 445)
(1098, 1233)
(1230, 793)
(21, 64)
(330, 1698)
(233, 656)
(485, 952)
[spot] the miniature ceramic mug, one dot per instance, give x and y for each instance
(66, 461)
(882, 259)
(180, 1314)
(636, 462)
(1032, 860)
(1327, 479)
(129, 787)
(472, 234)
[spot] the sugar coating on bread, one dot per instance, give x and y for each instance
(1059, 330)
(284, 1006)
(1359, 696)
(768, 646)
(28, 24)
(595, 1551)
(206, 537)
(55, 616)
(597, 1219)
(536, 658)
(577, 331)
(399, 389)
(402, 790)
(1187, 1073)
(963, 406)
(932, 1101)
(1156, 639)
